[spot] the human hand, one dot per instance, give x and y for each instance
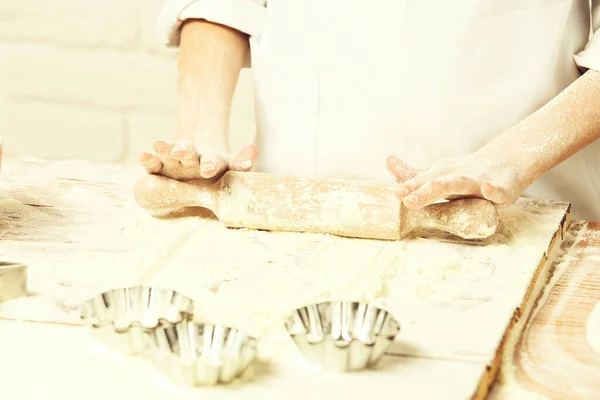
(485, 175)
(184, 160)
(211, 57)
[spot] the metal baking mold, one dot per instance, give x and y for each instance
(341, 335)
(201, 354)
(122, 318)
(13, 280)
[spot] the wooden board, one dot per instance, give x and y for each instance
(78, 209)
(554, 359)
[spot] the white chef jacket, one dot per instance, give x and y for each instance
(341, 84)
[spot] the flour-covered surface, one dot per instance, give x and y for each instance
(58, 363)
(559, 354)
(77, 228)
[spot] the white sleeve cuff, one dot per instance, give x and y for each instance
(243, 15)
(589, 57)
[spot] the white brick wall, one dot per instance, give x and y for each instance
(89, 79)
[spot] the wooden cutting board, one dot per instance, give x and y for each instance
(70, 237)
(555, 358)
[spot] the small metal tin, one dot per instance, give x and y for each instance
(13, 280)
(122, 318)
(201, 354)
(342, 336)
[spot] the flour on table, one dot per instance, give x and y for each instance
(254, 279)
(18, 214)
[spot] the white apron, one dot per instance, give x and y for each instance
(342, 84)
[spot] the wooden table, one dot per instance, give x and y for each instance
(553, 359)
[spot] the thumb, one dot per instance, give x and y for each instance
(212, 163)
(243, 160)
(504, 191)
(399, 169)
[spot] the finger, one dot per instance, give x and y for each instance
(504, 189)
(441, 189)
(151, 163)
(493, 193)
(499, 194)
(409, 186)
(212, 164)
(243, 160)
(399, 169)
(163, 151)
(185, 152)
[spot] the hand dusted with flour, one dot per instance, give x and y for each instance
(502, 169)
(210, 61)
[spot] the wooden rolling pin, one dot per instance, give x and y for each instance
(340, 207)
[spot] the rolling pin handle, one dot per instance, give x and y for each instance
(157, 193)
(467, 218)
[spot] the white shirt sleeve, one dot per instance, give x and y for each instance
(590, 56)
(244, 15)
